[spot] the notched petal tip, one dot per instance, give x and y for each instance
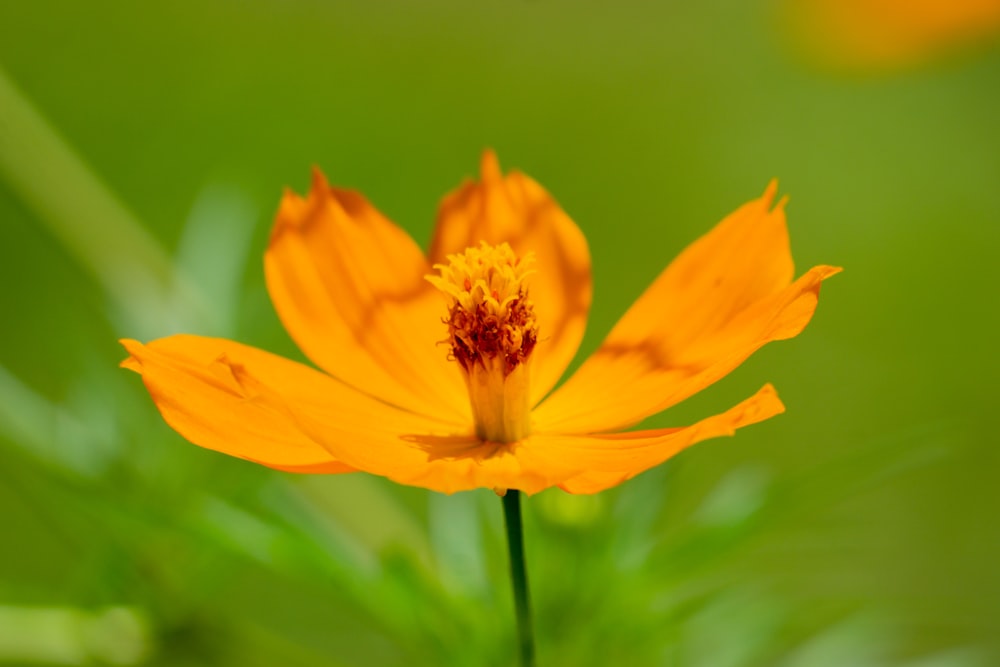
(766, 404)
(318, 185)
(824, 271)
(134, 348)
(291, 211)
(769, 192)
(489, 167)
(767, 199)
(813, 279)
(296, 212)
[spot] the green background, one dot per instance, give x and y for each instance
(142, 141)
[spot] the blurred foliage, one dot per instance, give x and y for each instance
(142, 151)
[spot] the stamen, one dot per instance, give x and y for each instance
(492, 332)
(490, 317)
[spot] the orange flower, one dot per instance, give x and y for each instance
(890, 34)
(509, 274)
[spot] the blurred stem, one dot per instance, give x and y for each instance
(80, 211)
(519, 576)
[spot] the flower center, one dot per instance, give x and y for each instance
(492, 332)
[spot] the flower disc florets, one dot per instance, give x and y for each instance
(490, 321)
(491, 332)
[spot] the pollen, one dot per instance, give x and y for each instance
(491, 333)
(491, 322)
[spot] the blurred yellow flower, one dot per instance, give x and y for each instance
(884, 35)
(464, 404)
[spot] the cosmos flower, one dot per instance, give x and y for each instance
(438, 369)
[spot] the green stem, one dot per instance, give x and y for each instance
(519, 576)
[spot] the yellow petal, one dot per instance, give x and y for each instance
(436, 460)
(233, 398)
(612, 459)
(349, 287)
(580, 464)
(519, 211)
(745, 258)
(254, 405)
(723, 298)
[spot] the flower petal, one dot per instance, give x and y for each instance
(439, 462)
(612, 459)
(723, 298)
(579, 464)
(349, 287)
(519, 211)
(232, 398)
